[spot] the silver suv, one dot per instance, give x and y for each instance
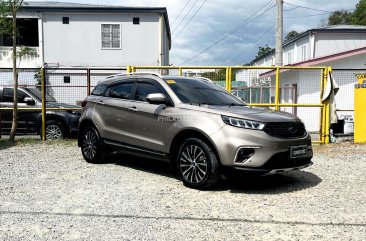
(191, 122)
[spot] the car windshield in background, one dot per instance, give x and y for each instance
(37, 93)
(200, 92)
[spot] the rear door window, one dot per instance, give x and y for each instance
(120, 91)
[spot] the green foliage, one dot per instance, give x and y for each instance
(5, 20)
(359, 15)
(215, 76)
(340, 17)
(290, 35)
(263, 51)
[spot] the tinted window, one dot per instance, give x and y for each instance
(143, 89)
(121, 91)
(8, 95)
(195, 91)
(37, 93)
(99, 89)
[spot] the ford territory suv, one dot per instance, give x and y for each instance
(191, 122)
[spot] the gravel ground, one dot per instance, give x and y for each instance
(48, 192)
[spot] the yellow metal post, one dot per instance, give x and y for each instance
(230, 79)
(277, 96)
(180, 71)
(227, 87)
(326, 112)
(43, 90)
(360, 109)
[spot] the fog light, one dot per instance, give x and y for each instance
(244, 154)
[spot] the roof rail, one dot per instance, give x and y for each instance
(135, 73)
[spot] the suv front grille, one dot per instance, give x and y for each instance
(285, 130)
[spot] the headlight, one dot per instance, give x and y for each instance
(248, 124)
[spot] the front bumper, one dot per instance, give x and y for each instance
(271, 154)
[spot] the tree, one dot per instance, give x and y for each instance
(8, 26)
(359, 15)
(290, 35)
(263, 51)
(340, 17)
(215, 76)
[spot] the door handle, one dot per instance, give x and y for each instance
(134, 109)
(101, 102)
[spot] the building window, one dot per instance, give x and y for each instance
(67, 79)
(111, 36)
(65, 20)
(303, 53)
(136, 20)
(289, 57)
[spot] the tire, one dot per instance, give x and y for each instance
(54, 130)
(91, 145)
(197, 164)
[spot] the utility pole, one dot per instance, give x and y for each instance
(279, 33)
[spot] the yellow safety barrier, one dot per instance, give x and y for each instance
(360, 109)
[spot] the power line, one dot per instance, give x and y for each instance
(190, 19)
(291, 9)
(255, 42)
(314, 9)
(318, 14)
(181, 12)
(242, 24)
(311, 15)
(185, 16)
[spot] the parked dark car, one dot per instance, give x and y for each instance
(59, 123)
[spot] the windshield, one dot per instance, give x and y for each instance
(196, 91)
(38, 95)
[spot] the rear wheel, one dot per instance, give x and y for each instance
(91, 147)
(197, 164)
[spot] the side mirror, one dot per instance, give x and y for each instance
(156, 98)
(29, 101)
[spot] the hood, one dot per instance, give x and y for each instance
(60, 105)
(246, 112)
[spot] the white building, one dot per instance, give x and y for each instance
(81, 35)
(341, 47)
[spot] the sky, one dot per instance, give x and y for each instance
(218, 32)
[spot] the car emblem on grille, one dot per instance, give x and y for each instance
(292, 130)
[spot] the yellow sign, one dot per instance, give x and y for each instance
(170, 81)
(360, 109)
(361, 81)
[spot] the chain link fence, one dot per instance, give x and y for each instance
(290, 89)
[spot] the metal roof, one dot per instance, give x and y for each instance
(53, 6)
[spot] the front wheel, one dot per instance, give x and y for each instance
(91, 147)
(54, 130)
(197, 164)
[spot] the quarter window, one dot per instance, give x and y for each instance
(111, 36)
(143, 89)
(121, 91)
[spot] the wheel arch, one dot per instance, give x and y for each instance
(183, 135)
